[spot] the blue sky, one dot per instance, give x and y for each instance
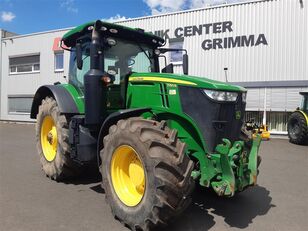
(28, 16)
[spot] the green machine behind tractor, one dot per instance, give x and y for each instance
(298, 122)
(153, 134)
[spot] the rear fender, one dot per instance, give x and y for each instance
(63, 98)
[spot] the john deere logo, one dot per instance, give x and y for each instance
(238, 115)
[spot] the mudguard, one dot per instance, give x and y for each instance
(64, 99)
(113, 119)
(304, 114)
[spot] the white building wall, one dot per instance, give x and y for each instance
(284, 24)
(26, 84)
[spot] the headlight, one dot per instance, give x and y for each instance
(244, 95)
(221, 95)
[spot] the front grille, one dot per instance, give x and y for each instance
(216, 120)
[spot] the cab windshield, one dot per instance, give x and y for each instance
(304, 103)
(121, 59)
(125, 57)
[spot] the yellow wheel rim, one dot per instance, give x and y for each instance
(127, 175)
(49, 138)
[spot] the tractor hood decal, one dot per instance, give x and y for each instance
(160, 79)
(185, 80)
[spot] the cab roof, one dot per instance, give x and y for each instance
(114, 30)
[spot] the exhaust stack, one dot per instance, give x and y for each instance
(94, 92)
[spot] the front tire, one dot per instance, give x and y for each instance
(162, 182)
(52, 142)
(297, 129)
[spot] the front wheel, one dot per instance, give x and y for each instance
(52, 142)
(146, 174)
(297, 128)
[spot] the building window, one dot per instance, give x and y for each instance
(59, 61)
(24, 64)
(20, 104)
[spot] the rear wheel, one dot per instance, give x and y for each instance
(52, 141)
(297, 128)
(146, 174)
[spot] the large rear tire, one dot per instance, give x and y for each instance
(160, 187)
(52, 142)
(297, 129)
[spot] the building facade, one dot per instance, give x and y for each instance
(261, 45)
(27, 62)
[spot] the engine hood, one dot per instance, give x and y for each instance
(185, 80)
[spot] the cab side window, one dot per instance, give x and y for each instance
(76, 75)
(86, 62)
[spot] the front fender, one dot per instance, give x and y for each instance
(304, 114)
(63, 98)
(187, 131)
(113, 119)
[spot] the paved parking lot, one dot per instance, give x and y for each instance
(30, 201)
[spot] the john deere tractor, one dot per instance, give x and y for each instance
(298, 122)
(154, 134)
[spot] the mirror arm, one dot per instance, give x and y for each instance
(164, 50)
(79, 56)
(64, 48)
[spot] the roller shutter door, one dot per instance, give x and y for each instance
(277, 99)
(255, 99)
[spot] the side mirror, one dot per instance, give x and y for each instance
(185, 64)
(168, 68)
(79, 56)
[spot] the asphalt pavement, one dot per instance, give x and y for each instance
(29, 201)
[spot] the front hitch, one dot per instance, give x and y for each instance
(238, 166)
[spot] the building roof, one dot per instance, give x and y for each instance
(5, 33)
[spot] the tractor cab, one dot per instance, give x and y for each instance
(120, 56)
(116, 53)
(304, 102)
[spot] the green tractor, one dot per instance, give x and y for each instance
(298, 122)
(153, 134)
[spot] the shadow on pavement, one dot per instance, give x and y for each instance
(88, 176)
(98, 188)
(238, 211)
(193, 219)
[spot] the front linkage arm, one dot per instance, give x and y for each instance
(238, 166)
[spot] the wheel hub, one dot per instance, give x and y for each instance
(136, 174)
(128, 175)
(49, 140)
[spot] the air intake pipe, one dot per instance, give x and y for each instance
(94, 89)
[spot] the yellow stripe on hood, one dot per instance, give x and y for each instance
(161, 79)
